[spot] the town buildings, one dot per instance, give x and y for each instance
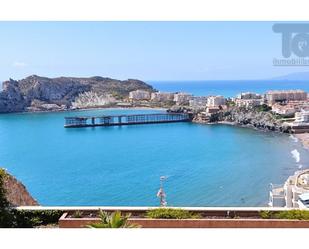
(212, 109)
(162, 97)
(301, 118)
(247, 103)
(139, 95)
(215, 101)
(285, 95)
(249, 95)
(198, 102)
(284, 110)
(182, 98)
(248, 99)
(293, 194)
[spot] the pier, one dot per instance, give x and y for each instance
(130, 119)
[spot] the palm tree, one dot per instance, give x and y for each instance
(114, 220)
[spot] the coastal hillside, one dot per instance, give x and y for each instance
(15, 192)
(36, 93)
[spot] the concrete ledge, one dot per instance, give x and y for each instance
(220, 223)
(65, 222)
(145, 208)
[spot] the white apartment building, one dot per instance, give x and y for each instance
(286, 110)
(301, 118)
(182, 98)
(285, 95)
(139, 95)
(215, 101)
(303, 201)
(248, 102)
(248, 95)
(162, 97)
(198, 102)
(293, 194)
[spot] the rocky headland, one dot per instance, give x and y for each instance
(36, 93)
(258, 118)
(255, 117)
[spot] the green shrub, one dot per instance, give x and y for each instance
(113, 220)
(292, 215)
(6, 215)
(3, 201)
(266, 214)
(263, 108)
(77, 214)
(289, 214)
(10, 217)
(171, 213)
(34, 218)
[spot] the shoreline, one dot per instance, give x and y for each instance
(304, 139)
(235, 124)
(88, 109)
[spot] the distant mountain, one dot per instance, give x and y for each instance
(299, 76)
(37, 93)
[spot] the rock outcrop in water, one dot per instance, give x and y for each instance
(15, 192)
(252, 117)
(36, 93)
(258, 117)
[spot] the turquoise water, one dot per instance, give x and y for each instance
(206, 165)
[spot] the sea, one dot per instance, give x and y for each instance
(203, 165)
(228, 88)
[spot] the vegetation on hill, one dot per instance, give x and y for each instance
(5, 212)
(11, 217)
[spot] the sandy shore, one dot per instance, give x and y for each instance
(91, 109)
(118, 108)
(228, 123)
(304, 139)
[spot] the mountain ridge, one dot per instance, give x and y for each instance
(297, 76)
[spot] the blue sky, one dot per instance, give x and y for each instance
(143, 50)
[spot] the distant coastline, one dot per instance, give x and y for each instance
(36, 94)
(88, 109)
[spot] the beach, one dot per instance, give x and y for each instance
(304, 139)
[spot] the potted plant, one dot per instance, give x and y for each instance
(113, 220)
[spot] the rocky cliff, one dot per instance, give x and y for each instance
(15, 192)
(253, 117)
(258, 117)
(36, 93)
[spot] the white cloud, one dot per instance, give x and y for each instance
(19, 64)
